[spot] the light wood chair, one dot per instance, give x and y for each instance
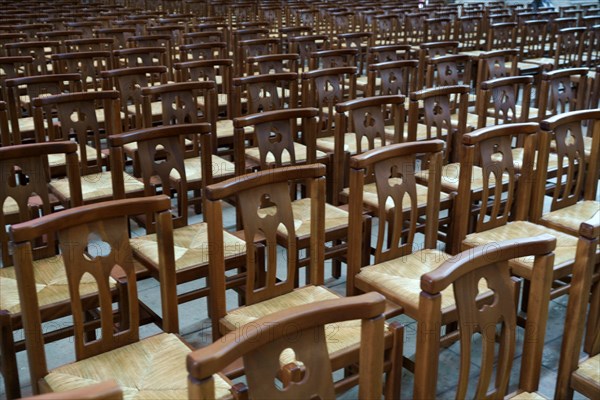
(392, 78)
(562, 91)
(266, 208)
(300, 368)
(574, 192)
(167, 163)
(94, 242)
(491, 149)
(496, 64)
(471, 275)
(575, 374)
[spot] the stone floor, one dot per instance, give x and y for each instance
(195, 328)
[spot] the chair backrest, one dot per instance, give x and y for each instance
(575, 179)
(162, 152)
(490, 149)
(266, 92)
(266, 209)
(120, 35)
(569, 47)
(493, 319)
(430, 50)
(360, 41)
(305, 45)
(5, 136)
(502, 35)
(395, 77)
(77, 115)
(276, 133)
(141, 57)
(534, 36)
(13, 67)
(437, 29)
(89, 44)
(87, 63)
(38, 51)
(391, 52)
(323, 89)
(502, 94)
(272, 63)
(129, 82)
(562, 91)
(453, 69)
(253, 48)
(217, 70)
(439, 105)
(263, 349)
(25, 192)
(497, 64)
(333, 58)
(94, 243)
(202, 51)
(577, 308)
(468, 31)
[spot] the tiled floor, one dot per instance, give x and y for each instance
(195, 328)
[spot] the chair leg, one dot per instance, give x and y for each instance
(393, 379)
(8, 358)
(591, 344)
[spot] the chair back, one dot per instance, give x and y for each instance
(493, 319)
(562, 91)
(266, 209)
(277, 367)
(501, 95)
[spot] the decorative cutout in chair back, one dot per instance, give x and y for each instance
(570, 175)
(99, 248)
(266, 210)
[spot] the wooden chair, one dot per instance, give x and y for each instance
(360, 41)
(430, 50)
(176, 169)
(119, 35)
(202, 51)
(20, 104)
(567, 52)
(129, 82)
(573, 374)
(444, 116)
(221, 72)
(325, 88)
(563, 90)
(389, 173)
(77, 115)
(392, 52)
(286, 32)
(40, 51)
(89, 44)
(496, 64)
(87, 63)
(497, 101)
(574, 193)
(266, 207)
(5, 136)
(307, 367)
(10, 37)
(494, 221)
(453, 69)
(486, 270)
(108, 390)
(333, 58)
(305, 45)
(501, 35)
(24, 196)
(272, 63)
(80, 231)
(437, 29)
(252, 48)
(141, 57)
(534, 38)
(468, 31)
(392, 78)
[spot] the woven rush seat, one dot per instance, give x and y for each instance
(517, 155)
(421, 132)
(155, 106)
(590, 369)
(225, 128)
(56, 160)
(327, 144)
(253, 153)
(540, 61)
(190, 246)
(10, 206)
(451, 175)
(50, 284)
(571, 217)
(522, 65)
(95, 186)
(528, 396)
(371, 199)
(153, 368)
(339, 337)
(401, 277)
(193, 168)
(334, 217)
(566, 245)
(25, 124)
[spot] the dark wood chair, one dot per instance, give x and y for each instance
(87, 63)
(306, 370)
(562, 91)
(24, 196)
(469, 277)
(266, 207)
(272, 63)
(39, 50)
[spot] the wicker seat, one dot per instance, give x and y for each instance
(152, 357)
